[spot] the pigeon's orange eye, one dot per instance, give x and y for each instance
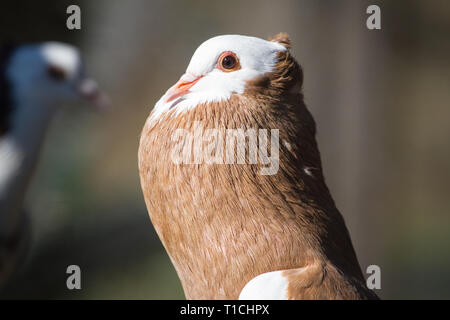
(56, 73)
(228, 62)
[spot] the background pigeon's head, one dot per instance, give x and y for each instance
(226, 65)
(49, 74)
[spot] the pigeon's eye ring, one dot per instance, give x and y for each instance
(56, 73)
(228, 62)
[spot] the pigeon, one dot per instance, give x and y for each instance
(236, 222)
(35, 80)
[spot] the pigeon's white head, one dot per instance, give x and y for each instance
(220, 67)
(50, 74)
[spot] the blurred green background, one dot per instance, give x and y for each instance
(380, 99)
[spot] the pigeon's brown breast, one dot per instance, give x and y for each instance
(227, 222)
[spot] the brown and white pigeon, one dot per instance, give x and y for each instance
(232, 227)
(35, 80)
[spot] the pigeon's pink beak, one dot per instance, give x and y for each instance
(182, 86)
(89, 90)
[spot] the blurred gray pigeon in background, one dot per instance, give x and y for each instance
(35, 80)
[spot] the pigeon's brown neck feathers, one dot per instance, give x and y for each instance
(287, 75)
(224, 224)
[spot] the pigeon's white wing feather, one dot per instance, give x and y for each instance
(266, 286)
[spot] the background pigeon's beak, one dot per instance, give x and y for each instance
(89, 90)
(182, 86)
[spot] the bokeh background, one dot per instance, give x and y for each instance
(380, 99)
